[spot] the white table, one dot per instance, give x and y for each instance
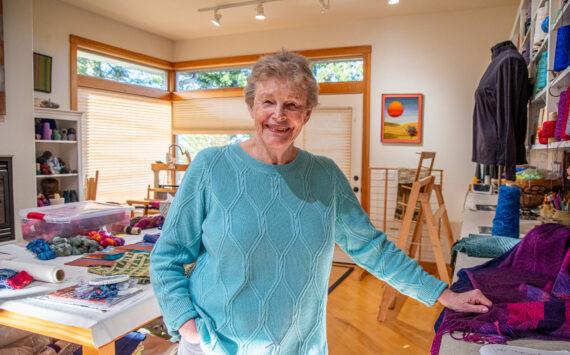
(472, 219)
(95, 330)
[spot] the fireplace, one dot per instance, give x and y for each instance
(6, 200)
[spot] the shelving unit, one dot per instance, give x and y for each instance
(68, 150)
(540, 154)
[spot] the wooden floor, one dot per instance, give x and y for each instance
(352, 327)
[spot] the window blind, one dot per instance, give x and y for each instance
(122, 136)
(329, 133)
(211, 116)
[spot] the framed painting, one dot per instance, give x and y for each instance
(42, 72)
(402, 118)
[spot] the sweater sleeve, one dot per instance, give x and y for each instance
(179, 245)
(371, 249)
(511, 100)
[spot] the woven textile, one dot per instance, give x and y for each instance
(134, 264)
(529, 287)
(484, 246)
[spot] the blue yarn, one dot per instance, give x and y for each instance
(42, 249)
(562, 54)
(506, 222)
(544, 25)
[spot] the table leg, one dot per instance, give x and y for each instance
(108, 349)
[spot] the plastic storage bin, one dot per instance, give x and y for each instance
(71, 219)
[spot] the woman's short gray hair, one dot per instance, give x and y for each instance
(286, 65)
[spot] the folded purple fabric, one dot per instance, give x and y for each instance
(529, 287)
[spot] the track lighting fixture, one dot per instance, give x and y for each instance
(393, 2)
(260, 13)
(260, 10)
(216, 19)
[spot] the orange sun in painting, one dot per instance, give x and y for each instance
(395, 109)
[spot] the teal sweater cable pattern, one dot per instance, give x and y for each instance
(263, 238)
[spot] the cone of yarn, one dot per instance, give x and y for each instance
(506, 222)
(565, 116)
(562, 53)
(548, 128)
(541, 72)
(46, 131)
(560, 119)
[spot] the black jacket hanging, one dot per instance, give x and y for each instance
(499, 118)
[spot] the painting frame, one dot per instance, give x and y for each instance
(42, 72)
(410, 105)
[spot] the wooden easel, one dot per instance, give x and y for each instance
(421, 192)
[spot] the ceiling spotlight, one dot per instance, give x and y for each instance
(217, 17)
(260, 13)
(393, 2)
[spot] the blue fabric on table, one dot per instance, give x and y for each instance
(485, 246)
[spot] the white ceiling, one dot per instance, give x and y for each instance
(180, 19)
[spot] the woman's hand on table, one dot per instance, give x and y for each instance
(471, 301)
(189, 332)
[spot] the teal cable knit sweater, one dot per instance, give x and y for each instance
(263, 238)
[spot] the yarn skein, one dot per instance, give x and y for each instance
(506, 222)
(562, 54)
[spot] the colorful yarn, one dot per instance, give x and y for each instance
(548, 129)
(562, 54)
(41, 248)
(506, 222)
(106, 239)
(104, 292)
(560, 119)
(152, 222)
(541, 72)
(20, 280)
(151, 238)
(544, 25)
(5, 275)
(563, 135)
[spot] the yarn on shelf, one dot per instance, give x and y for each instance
(506, 222)
(562, 54)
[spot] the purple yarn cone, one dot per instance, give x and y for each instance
(560, 119)
(46, 131)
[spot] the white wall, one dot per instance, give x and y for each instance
(17, 129)
(54, 21)
(442, 56)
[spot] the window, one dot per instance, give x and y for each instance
(212, 79)
(330, 71)
(333, 71)
(122, 136)
(103, 67)
(194, 143)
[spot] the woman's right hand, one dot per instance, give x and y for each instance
(189, 332)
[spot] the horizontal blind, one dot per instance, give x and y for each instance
(122, 136)
(211, 116)
(329, 133)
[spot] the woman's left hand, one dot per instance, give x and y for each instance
(471, 301)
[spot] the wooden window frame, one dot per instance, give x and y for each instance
(351, 87)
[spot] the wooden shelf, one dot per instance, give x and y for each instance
(555, 145)
(539, 96)
(560, 78)
(56, 175)
(55, 141)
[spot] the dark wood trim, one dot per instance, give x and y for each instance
(365, 174)
(119, 53)
(72, 74)
(96, 83)
(205, 94)
(345, 87)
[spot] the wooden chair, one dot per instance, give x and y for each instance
(91, 187)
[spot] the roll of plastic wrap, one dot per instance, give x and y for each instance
(40, 272)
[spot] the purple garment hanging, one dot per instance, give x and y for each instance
(560, 118)
(529, 287)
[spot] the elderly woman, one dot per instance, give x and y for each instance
(260, 219)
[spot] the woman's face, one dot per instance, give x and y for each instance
(279, 111)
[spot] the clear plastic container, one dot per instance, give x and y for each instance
(71, 219)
